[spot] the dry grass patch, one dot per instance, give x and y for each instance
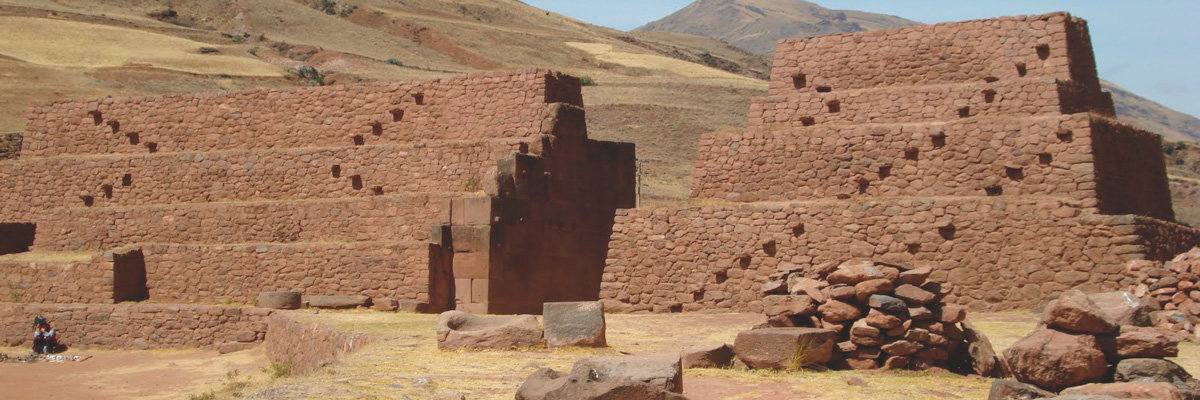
(84, 45)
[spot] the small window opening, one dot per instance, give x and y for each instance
(336, 171)
(1043, 51)
(698, 295)
(115, 125)
(377, 190)
(863, 185)
(744, 261)
(834, 106)
(798, 230)
(1045, 158)
(1065, 135)
(676, 308)
(88, 200)
(523, 148)
(358, 140)
(824, 89)
(770, 248)
(990, 79)
(108, 191)
(397, 115)
(1015, 174)
(1021, 69)
(964, 112)
(799, 81)
(721, 277)
(914, 248)
(97, 117)
(939, 141)
(807, 121)
(376, 128)
(134, 137)
(356, 182)
(947, 232)
(152, 147)
(127, 180)
(885, 171)
(419, 98)
(993, 190)
(911, 153)
(989, 95)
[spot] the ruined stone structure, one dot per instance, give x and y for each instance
(984, 149)
(482, 190)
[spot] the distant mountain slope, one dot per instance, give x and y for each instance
(755, 25)
(1149, 115)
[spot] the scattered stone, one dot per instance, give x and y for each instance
(460, 330)
(1152, 370)
(838, 311)
(1123, 308)
(913, 294)
(789, 305)
(1055, 360)
(278, 300)
(1127, 390)
(711, 356)
(856, 381)
(663, 372)
(980, 352)
(1145, 342)
(385, 305)
(337, 302)
(1007, 389)
(574, 324)
(411, 306)
(914, 277)
(784, 348)
(1075, 312)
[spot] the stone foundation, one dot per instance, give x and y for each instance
(136, 326)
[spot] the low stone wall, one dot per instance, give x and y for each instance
(75, 281)
(135, 326)
(999, 253)
(396, 217)
(307, 347)
(221, 273)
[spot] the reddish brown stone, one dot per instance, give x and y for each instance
(1054, 360)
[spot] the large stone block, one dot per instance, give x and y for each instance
(1055, 360)
(784, 348)
(1075, 312)
(278, 300)
(460, 330)
(337, 302)
(574, 324)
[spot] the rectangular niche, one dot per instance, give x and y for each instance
(129, 277)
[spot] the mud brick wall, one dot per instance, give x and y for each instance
(55, 282)
(999, 253)
(248, 175)
(489, 105)
(330, 220)
(308, 346)
(1024, 97)
(237, 273)
(971, 157)
(1052, 45)
(1163, 241)
(135, 326)
(1130, 170)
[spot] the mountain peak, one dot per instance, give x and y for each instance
(755, 25)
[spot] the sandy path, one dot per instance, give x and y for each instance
(159, 374)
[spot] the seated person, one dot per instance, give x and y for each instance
(45, 339)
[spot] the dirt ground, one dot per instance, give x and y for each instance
(158, 374)
(406, 364)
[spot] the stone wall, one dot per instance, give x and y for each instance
(1052, 46)
(394, 217)
(1130, 171)
(237, 273)
(10, 145)
(135, 326)
(479, 106)
(55, 281)
(248, 175)
(306, 347)
(999, 253)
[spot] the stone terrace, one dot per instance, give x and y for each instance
(384, 190)
(984, 149)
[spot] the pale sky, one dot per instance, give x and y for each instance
(1148, 47)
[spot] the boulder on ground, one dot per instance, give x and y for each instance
(1146, 342)
(1075, 312)
(574, 324)
(460, 330)
(385, 305)
(411, 306)
(980, 352)
(548, 384)
(1127, 390)
(1007, 389)
(1154, 370)
(278, 300)
(1055, 360)
(662, 372)
(711, 356)
(1123, 308)
(784, 348)
(337, 302)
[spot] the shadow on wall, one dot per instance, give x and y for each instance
(16, 237)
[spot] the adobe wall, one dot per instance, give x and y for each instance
(999, 253)
(982, 49)
(247, 175)
(135, 326)
(237, 273)
(394, 217)
(306, 346)
(478, 106)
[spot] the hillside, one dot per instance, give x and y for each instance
(1149, 115)
(755, 25)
